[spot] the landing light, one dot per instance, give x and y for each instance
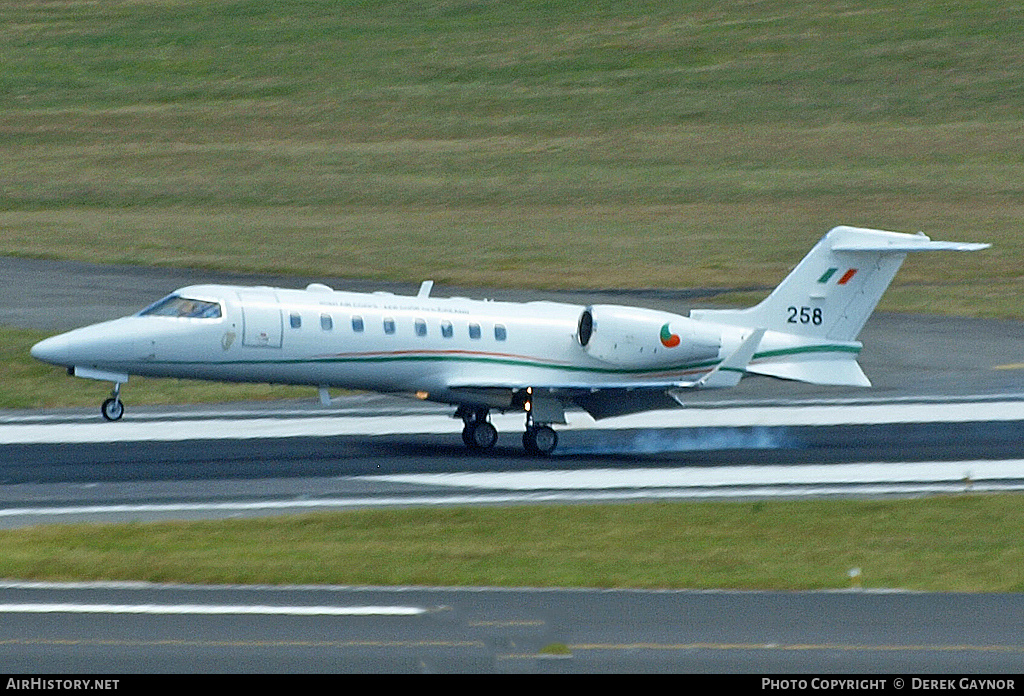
(422, 395)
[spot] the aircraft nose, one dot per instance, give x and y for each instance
(53, 350)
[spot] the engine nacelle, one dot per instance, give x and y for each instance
(632, 337)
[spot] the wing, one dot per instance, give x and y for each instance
(605, 400)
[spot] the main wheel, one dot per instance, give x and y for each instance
(112, 409)
(541, 439)
(480, 435)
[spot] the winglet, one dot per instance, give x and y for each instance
(730, 371)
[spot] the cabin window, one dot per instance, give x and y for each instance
(176, 306)
(326, 322)
(500, 334)
(295, 320)
(447, 330)
(474, 331)
(421, 327)
(357, 324)
(389, 325)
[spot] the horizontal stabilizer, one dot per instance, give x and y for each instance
(923, 245)
(830, 372)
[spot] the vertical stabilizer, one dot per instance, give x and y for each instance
(835, 288)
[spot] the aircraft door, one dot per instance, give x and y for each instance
(262, 325)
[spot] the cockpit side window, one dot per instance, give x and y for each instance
(177, 306)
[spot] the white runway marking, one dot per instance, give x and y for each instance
(326, 426)
(974, 472)
(205, 609)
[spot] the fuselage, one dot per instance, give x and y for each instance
(378, 342)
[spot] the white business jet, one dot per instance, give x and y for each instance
(536, 357)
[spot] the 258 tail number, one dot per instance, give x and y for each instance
(804, 315)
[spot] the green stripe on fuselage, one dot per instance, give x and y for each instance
(387, 358)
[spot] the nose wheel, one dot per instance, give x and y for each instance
(113, 408)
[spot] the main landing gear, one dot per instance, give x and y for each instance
(113, 408)
(540, 439)
(478, 433)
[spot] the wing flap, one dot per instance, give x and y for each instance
(603, 400)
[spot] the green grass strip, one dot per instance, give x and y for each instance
(968, 542)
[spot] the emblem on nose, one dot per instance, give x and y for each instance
(227, 340)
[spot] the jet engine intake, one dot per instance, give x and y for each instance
(632, 337)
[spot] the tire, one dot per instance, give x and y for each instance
(112, 409)
(540, 440)
(480, 436)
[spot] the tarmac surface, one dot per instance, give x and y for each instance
(131, 628)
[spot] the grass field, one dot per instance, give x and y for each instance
(777, 544)
(583, 144)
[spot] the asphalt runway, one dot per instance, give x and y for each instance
(131, 628)
(941, 365)
(191, 464)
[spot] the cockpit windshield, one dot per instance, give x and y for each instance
(177, 306)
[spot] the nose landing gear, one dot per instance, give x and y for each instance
(113, 408)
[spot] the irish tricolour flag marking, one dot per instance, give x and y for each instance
(846, 277)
